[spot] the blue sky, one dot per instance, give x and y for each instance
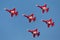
(16, 28)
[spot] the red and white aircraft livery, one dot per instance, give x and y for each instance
(34, 32)
(12, 11)
(49, 22)
(30, 17)
(44, 8)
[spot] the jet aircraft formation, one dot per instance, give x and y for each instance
(32, 17)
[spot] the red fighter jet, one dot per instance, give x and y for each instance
(30, 17)
(34, 32)
(12, 12)
(44, 8)
(49, 22)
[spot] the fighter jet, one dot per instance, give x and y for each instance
(12, 11)
(49, 22)
(30, 17)
(34, 32)
(44, 8)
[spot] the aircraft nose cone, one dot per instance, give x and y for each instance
(36, 4)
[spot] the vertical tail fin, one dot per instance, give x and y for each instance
(47, 9)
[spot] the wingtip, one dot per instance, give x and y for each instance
(36, 29)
